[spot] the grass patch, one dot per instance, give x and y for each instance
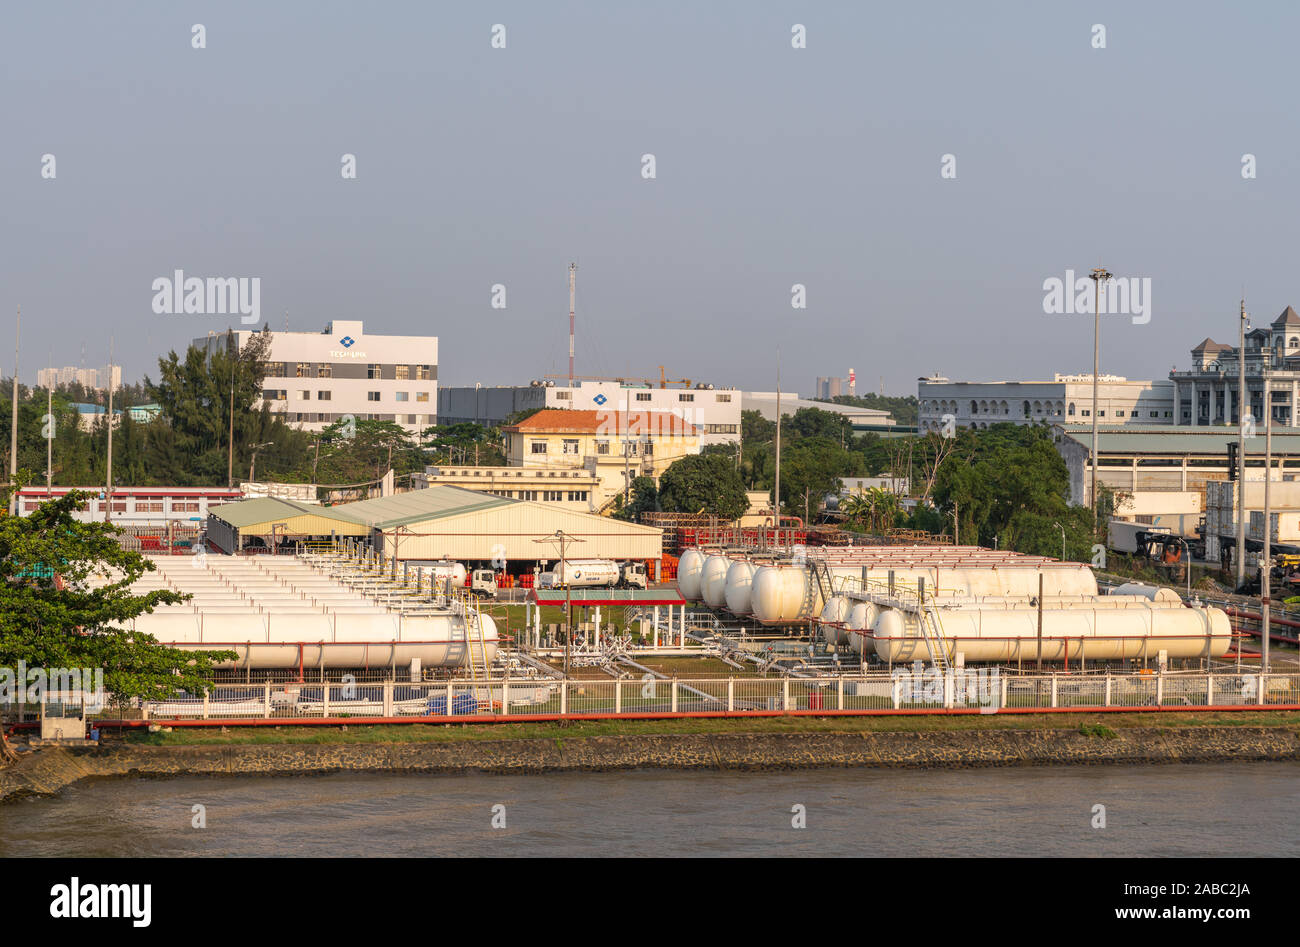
(1094, 725)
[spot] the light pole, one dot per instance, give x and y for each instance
(1241, 445)
(1099, 276)
(252, 464)
(563, 538)
(1062, 529)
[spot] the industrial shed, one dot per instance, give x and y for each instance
(231, 526)
(469, 526)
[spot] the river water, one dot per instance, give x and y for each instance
(1204, 809)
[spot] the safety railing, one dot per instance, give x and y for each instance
(915, 689)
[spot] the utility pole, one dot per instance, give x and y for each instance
(563, 539)
(1241, 446)
(1099, 276)
(13, 425)
(776, 498)
(573, 283)
(108, 471)
(1266, 584)
(49, 421)
(230, 464)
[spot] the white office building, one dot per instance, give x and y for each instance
(714, 411)
(1066, 399)
(317, 378)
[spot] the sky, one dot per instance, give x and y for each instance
(821, 166)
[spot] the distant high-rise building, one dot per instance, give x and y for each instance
(93, 378)
(835, 387)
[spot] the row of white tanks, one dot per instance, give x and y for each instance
(986, 613)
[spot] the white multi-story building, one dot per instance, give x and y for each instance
(317, 378)
(714, 411)
(1067, 399)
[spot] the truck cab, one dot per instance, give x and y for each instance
(633, 576)
(483, 583)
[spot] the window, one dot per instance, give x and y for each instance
(686, 396)
(630, 448)
(720, 429)
(1155, 414)
(275, 394)
(304, 370)
(570, 445)
(423, 372)
(1086, 413)
(324, 395)
(148, 506)
(402, 395)
(304, 395)
(553, 496)
(649, 448)
(602, 447)
(643, 396)
(1071, 409)
(725, 399)
(275, 370)
(421, 396)
(410, 419)
(373, 371)
(324, 370)
(564, 396)
(528, 494)
(539, 447)
(402, 372)
(372, 396)
(185, 506)
(1118, 414)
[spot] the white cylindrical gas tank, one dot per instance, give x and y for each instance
(689, 567)
(1140, 629)
(445, 569)
(713, 581)
(587, 573)
(861, 617)
(784, 595)
(437, 640)
(740, 578)
(1154, 593)
(833, 615)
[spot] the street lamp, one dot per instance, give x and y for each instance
(1099, 276)
(564, 539)
(252, 465)
(1062, 529)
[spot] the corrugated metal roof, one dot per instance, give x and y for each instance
(663, 596)
(1167, 439)
(418, 506)
(249, 512)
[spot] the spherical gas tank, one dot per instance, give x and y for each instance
(713, 581)
(833, 615)
(740, 578)
(689, 568)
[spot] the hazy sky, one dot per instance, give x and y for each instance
(774, 166)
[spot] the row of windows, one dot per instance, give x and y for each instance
(682, 396)
(572, 447)
(141, 506)
(326, 370)
(545, 496)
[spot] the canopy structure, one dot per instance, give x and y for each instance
(607, 597)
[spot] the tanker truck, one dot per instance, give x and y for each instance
(600, 574)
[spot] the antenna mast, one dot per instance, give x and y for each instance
(573, 281)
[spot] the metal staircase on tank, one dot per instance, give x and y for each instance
(476, 657)
(932, 630)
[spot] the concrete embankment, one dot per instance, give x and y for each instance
(46, 771)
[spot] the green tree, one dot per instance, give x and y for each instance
(703, 483)
(65, 595)
(644, 498)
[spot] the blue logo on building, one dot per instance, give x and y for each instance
(600, 399)
(347, 341)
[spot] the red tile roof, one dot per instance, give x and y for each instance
(613, 423)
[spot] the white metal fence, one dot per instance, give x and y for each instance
(930, 689)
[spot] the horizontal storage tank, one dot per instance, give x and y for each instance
(689, 568)
(786, 594)
(833, 616)
(1154, 593)
(1136, 629)
(861, 617)
(338, 640)
(713, 581)
(740, 577)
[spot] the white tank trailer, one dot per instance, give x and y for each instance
(340, 640)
